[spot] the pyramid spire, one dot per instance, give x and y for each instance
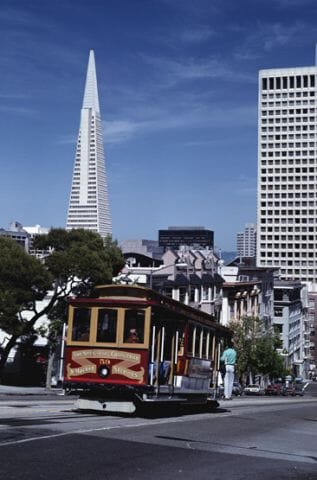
(88, 204)
(91, 99)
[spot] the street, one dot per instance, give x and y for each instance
(43, 437)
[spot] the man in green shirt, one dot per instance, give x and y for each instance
(229, 357)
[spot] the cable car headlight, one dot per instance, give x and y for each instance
(103, 371)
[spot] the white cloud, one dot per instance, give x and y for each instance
(122, 130)
(67, 140)
(16, 110)
(119, 131)
(13, 96)
(266, 37)
(174, 71)
(198, 35)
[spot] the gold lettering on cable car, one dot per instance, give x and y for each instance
(123, 368)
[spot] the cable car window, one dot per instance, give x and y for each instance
(204, 344)
(81, 325)
(107, 325)
(134, 326)
(182, 294)
(192, 294)
(190, 339)
(198, 342)
(211, 342)
(180, 351)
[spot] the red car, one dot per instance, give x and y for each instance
(274, 389)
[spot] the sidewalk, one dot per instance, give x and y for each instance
(12, 390)
(264, 400)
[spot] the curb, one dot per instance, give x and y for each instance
(27, 391)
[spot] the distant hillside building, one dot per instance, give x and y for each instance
(17, 233)
(197, 237)
(148, 248)
(246, 241)
(290, 317)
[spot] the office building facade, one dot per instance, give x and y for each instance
(174, 237)
(246, 241)
(287, 173)
(89, 204)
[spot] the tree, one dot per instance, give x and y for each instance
(23, 282)
(244, 333)
(78, 260)
(257, 349)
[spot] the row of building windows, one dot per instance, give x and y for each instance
(75, 202)
(289, 186)
(276, 120)
(287, 212)
(288, 98)
(289, 246)
(289, 128)
(275, 97)
(301, 132)
(287, 221)
(288, 111)
(289, 178)
(299, 102)
(298, 261)
(298, 161)
(287, 204)
(284, 238)
(275, 108)
(289, 171)
(289, 145)
(79, 215)
(293, 81)
(289, 153)
(288, 229)
(82, 222)
(290, 120)
(291, 136)
(278, 195)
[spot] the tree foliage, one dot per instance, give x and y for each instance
(23, 282)
(257, 349)
(80, 257)
(78, 260)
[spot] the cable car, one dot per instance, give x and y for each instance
(130, 346)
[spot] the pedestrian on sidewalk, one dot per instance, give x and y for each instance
(229, 357)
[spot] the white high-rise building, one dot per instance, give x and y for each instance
(88, 204)
(287, 172)
(246, 241)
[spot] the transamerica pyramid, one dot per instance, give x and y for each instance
(88, 204)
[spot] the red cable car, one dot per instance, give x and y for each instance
(131, 346)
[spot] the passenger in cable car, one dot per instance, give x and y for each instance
(133, 336)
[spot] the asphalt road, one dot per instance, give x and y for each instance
(249, 437)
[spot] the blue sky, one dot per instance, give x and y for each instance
(178, 96)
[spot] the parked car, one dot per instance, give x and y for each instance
(237, 389)
(252, 390)
(288, 390)
(274, 389)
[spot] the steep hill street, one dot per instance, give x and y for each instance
(42, 436)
